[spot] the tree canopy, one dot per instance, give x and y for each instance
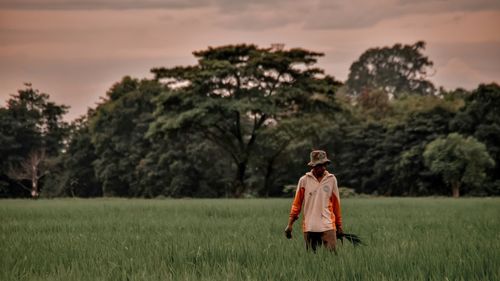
(241, 122)
(397, 70)
(32, 130)
(235, 92)
(458, 160)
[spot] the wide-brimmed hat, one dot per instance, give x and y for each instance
(318, 157)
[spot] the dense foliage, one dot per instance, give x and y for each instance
(235, 93)
(396, 70)
(32, 133)
(242, 121)
(459, 160)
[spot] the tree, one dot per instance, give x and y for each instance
(182, 164)
(117, 130)
(75, 175)
(374, 104)
(282, 151)
(384, 155)
(480, 118)
(412, 177)
(31, 125)
(234, 92)
(33, 169)
(396, 70)
(403, 147)
(458, 160)
(359, 154)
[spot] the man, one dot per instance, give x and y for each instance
(318, 195)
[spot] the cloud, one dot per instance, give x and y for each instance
(233, 14)
(337, 14)
(457, 73)
(262, 14)
(465, 65)
(77, 83)
(100, 4)
(483, 55)
(76, 51)
(223, 5)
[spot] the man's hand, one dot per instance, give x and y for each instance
(340, 234)
(288, 232)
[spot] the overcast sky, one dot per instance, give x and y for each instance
(75, 50)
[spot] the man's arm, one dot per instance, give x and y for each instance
(337, 213)
(295, 210)
(336, 207)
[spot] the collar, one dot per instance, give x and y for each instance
(326, 175)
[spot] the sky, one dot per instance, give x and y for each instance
(75, 50)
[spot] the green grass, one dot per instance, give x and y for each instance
(119, 239)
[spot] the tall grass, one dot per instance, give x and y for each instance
(120, 239)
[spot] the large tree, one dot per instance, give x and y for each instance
(384, 155)
(32, 130)
(458, 160)
(32, 169)
(117, 130)
(74, 174)
(480, 118)
(396, 70)
(235, 91)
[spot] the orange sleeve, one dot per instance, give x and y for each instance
(335, 209)
(297, 203)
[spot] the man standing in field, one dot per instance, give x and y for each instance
(318, 195)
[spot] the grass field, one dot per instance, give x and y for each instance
(190, 239)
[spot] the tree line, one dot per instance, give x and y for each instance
(242, 121)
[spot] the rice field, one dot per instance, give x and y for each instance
(224, 239)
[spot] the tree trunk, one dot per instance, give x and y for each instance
(239, 182)
(34, 188)
(267, 180)
(31, 168)
(34, 180)
(455, 187)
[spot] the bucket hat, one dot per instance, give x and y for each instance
(318, 157)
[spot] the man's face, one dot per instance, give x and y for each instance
(318, 170)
